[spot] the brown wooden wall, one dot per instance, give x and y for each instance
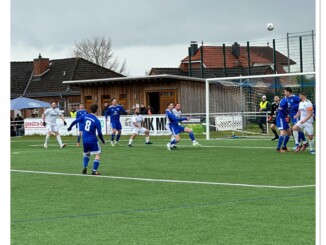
(192, 97)
(190, 94)
(135, 91)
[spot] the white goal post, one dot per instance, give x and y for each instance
(231, 117)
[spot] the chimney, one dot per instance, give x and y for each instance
(40, 65)
(193, 47)
(236, 50)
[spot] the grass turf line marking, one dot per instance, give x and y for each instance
(158, 209)
(182, 146)
(166, 181)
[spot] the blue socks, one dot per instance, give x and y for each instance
(286, 140)
(78, 138)
(86, 160)
(173, 142)
(96, 163)
(118, 137)
(192, 137)
(112, 137)
(301, 136)
(280, 141)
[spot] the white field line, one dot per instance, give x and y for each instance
(166, 181)
(181, 146)
(263, 138)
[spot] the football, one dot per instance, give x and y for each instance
(270, 26)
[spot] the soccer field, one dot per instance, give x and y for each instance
(229, 191)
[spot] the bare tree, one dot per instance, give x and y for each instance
(99, 51)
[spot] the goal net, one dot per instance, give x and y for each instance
(232, 103)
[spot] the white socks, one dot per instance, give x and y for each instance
(296, 137)
(59, 140)
(311, 144)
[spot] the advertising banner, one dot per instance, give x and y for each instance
(155, 124)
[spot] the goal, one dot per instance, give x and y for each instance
(232, 103)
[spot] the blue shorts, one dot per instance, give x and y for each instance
(294, 120)
(177, 129)
(282, 124)
(116, 125)
(91, 148)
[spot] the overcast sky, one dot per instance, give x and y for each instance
(149, 33)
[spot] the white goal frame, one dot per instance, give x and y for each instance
(210, 80)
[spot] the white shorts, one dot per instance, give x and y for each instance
(307, 127)
(138, 130)
(52, 127)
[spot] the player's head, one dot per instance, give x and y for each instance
(302, 96)
(53, 104)
(137, 110)
(93, 108)
(263, 97)
(178, 106)
(170, 105)
(114, 101)
(81, 106)
(287, 91)
(276, 98)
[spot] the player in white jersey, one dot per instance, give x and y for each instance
(177, 110)
(137, 123)
(49, 118)
(305, 114)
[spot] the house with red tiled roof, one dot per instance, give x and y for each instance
(234, 56)
(230, 61)
(42, 78)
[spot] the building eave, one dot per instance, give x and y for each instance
(132, 79)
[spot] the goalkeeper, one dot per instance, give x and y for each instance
(273, 115)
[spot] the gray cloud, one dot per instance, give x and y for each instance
(148, 22)
(37, 24)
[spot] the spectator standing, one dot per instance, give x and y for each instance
(142, 110)
(73, 112)
(19, 122)
(149, 110)
(264, 106)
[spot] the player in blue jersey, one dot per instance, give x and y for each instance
(283, 126)
(293, 107)
(114, 111)
(176, 128)
(90, 142)
(80, 125)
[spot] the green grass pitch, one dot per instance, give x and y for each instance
(230, 191)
